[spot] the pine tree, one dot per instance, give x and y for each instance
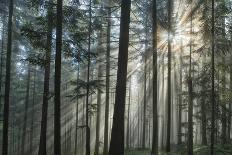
(117, 135)
(7, 82)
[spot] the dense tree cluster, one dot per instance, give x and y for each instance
(109, 77)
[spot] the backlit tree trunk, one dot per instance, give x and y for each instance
(117, 135)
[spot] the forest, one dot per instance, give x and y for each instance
(115, 77)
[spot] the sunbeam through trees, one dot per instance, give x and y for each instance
(115, 77)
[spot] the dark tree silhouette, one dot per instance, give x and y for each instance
(155, 137)
(57, 123)
(7, 82)
(43, 130)
(117, 135)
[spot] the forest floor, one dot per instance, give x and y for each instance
(198, 150)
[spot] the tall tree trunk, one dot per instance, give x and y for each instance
(223, 105)
(32, 113)
(145, 86)
(106, 128)
(203, 122)
(144, 99)
(128, 118)
(190, 95)
(117, 135)
(98, 118)
(212, 89)
(77, 111)
(180, 99)
(24, 136)
(1, 65)
(138, 115)
(87, 144)
(230, 107)
(57, 118)
(43, 129)
(7, 81)
(155, 137)
(162, 116)
(168, 143)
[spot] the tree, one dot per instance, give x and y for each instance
(106, 127)
(180, 98)
(43, 130)
(26, 111)
(190, 95)
(99, 100)
(212, 81)
(32, 112)
(7, 82)
(87, 145)
(117, 135)
(57, 126)
(145, 91)
(128, 117)
(1, 65)
(168, 144)
(155, 137)
(77, 110)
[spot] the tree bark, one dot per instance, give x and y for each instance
(43, 129)
(230, 106)
(106, 128)
(212, 81)
(190, 95)
(24, 135)
(224, 113)
(99, 99)
(1, 65)
(32, 113)
(128, 118)
(77, 112)
(180, 100)
(87, 144)
(57, 118)
(145, 98)
(7, 81)
(168, 143)
(155, 137)
(117, 135)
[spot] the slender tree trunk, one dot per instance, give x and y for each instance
(98, 118)
(224, 113)
(138, 114)
(32, 114)
(128, 118)
(190, 105)
(212, 90)
(43, 130)
(162, 116)
(57, 124)
(168, 143)
(145, 87)
(1, 65)
(117, 135)
(230, 107)
(155, 137)
(180, 100)
(87, 144)
(106, 128)
(144, 99)
(203, 122)
(24, 136)
(224, 104)
(7, 81)
(77, 112)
